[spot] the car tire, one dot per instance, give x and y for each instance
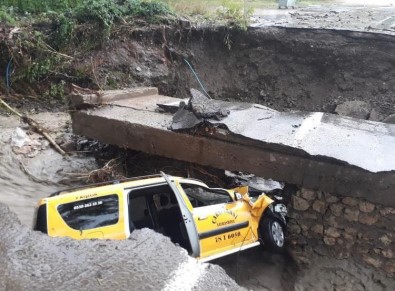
(272, 234)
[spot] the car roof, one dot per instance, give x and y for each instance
(127, 183)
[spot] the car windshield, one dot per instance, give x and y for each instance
(202, 196)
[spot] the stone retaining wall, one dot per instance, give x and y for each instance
(343, 227)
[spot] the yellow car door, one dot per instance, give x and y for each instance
(224, 226)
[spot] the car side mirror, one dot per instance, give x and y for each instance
(238, 196)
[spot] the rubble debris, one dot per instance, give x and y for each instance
(200, 108)
(255, 183)
(21, 143)
(204, 107)
(355, 109)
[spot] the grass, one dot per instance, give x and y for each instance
(206, 7)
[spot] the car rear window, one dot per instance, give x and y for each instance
(91, 213)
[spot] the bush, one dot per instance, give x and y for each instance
(235, 12)
(7, 16)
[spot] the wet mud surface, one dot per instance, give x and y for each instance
(33, 171)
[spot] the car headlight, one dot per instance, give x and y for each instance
(280, 208)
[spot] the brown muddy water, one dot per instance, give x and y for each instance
(32, 171)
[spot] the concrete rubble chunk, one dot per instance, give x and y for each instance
(148, 261)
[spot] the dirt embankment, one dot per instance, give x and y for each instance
(283, 68)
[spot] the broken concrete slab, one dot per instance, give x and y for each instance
(316, 133)
(314, 150)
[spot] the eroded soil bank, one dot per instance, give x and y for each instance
(283, 68)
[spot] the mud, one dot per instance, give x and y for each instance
(24, 179)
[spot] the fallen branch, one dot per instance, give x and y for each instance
(35, 125)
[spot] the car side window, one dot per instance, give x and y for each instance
(202, 196)
(91, 213)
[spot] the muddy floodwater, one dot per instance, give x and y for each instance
(33, 171)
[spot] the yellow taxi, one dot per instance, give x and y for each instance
(208, 222)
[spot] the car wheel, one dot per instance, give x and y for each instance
(272, 232)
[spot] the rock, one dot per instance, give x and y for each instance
(348, 237)
(385, 240)
(362, 249)
(304, 228)
(332, 232)
(372, 261)
(387, 253)
(332, 221)
(138, 69)
(308, 194)
(366, 206)
(321, 249)
(330, 241)
(294, 229)
(387, 211)
(390, 119)
(319, 206)
(350, 230)
(300, 203)
(351, 215)
(375, 115)
(309, 215)
(367, 219)
(336, 209)
(390, 268)
(349, 201)
(330, 198)
(318, 229)
(355, 109)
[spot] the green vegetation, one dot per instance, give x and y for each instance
(51, 34)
